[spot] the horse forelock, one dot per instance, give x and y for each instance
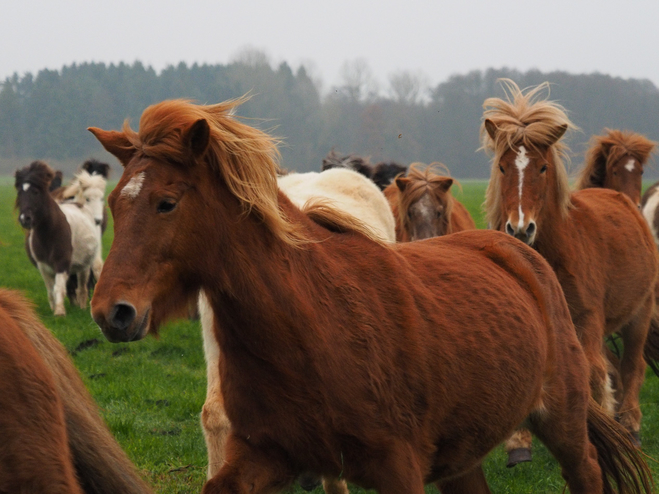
(244, 158)
(38, 173)
(525, 118)
(608, 149)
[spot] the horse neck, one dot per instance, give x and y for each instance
(49, 216)
(264, 285)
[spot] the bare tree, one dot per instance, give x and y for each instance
(358, 81)
(407, 87)
(252, 57)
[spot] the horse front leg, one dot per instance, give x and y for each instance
(472, 482)
(82, 291)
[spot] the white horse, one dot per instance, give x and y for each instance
(88, 192)
(343, 189)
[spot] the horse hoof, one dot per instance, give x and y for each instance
(308, 481)
(518, 455)
(61, 313)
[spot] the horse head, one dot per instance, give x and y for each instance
(528, 179)
(32, 188)
(425, 202)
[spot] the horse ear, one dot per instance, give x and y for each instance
(115, 143)
(445, 184)
(491, 128)
(402, 183)
(558, 133)
(197, 137)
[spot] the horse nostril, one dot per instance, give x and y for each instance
(122, 315)
(509, 228)
(98, 222)
(530, 230)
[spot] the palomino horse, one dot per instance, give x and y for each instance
(343, 189)
(62, 239)
(615, 161)
(423, 205)
(53, 439)
(595, 239)
(389, 366)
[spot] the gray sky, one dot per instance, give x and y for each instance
(436, 38)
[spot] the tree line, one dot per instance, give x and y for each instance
(45, 116)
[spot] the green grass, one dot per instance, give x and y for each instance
(151, 392)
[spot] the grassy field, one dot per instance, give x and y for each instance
(151, 392)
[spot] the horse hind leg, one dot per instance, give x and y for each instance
(632, 367)
(518, 447)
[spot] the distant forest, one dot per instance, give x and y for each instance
(45, 116)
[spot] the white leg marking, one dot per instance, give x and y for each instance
(521, 162)
(134, 186)
(630, 165)
(59, 293)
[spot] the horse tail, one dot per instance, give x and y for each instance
(100, 463)
(651, 348)
(619, 459)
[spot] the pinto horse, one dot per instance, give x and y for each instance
(595, 239)
(615, 161)
(53, 439)
(400, 367)
(423, 205)
(62, 240)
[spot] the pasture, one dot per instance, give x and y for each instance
(151, 392)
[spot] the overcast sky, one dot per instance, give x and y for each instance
(435, 38)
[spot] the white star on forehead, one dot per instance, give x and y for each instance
(134, 186)
(630, 166)
(26, 186)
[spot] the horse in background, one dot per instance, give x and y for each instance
(53, 438)
(382, 173)
(62, 238)
(343, 356)
(608, 274)
(423, 205)
(615, 161)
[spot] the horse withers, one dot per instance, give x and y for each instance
(340, 355)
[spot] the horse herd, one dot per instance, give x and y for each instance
(356, 325)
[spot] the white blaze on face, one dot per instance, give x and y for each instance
(630, 165)
(521, 162)
(26, 186)
(134, 186)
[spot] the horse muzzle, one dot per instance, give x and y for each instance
(25, 220)
(121, 322)
(525, 233)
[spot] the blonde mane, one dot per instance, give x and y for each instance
(524, 118)
(607, 149)
(425, 180)
(246, 158)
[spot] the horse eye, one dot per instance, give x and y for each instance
(438, 214)
(543, 169)
(642, 172)
(166, 206)
(501, 168)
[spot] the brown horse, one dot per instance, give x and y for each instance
(392, 369)
(382, 173)
(615, 161)
(595, 239)
(52, 437)
(423, 205)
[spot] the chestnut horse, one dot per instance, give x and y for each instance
(615, 161)
(52, 437)
(423, 205)
(596, 240)
(388, 365)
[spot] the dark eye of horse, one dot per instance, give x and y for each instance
(438, 214)
(501, 168)
(166, 206)
(543, 169)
